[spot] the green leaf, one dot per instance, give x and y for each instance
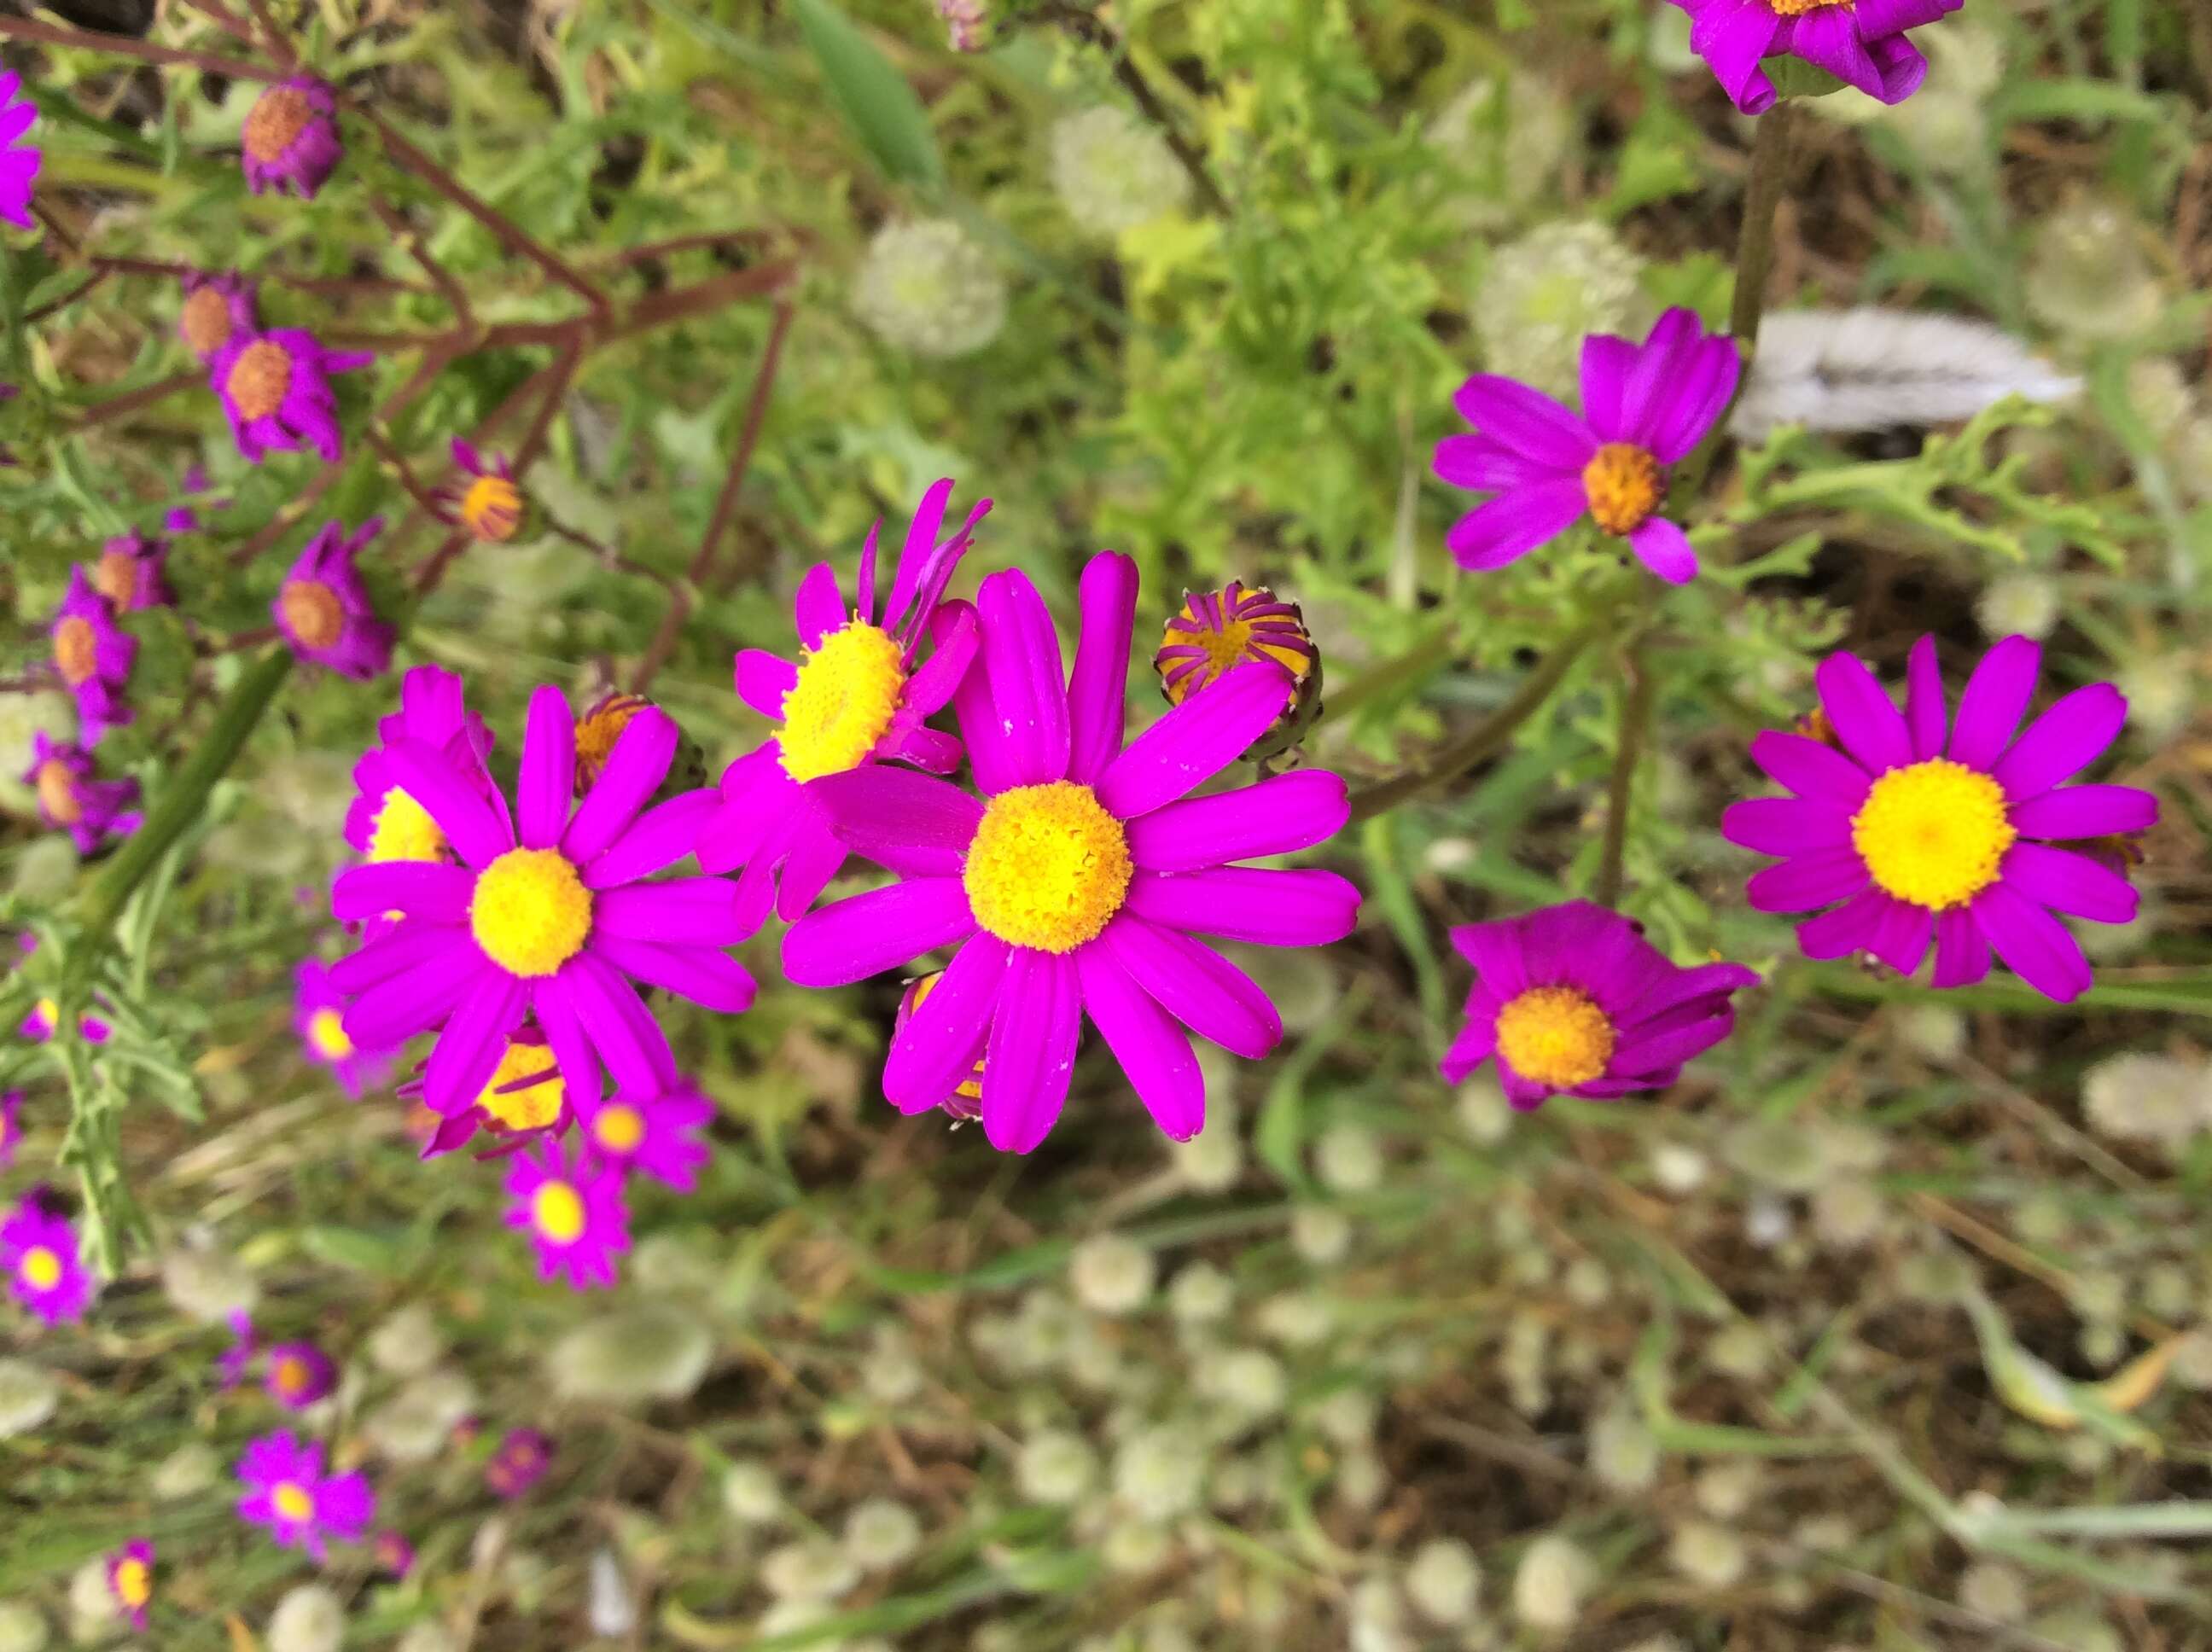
(874, 98)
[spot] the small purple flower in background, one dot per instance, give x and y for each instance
(488, 503)
(964, 21)
(287, 1491)
(520, 1461)
(19, 163)
(217, 309)
(658, 1136)
(319, 1015)
(11, 1125)
(1860, 42)
(131, 1581)
(297, 1374)
(46, 1015)
(291, 140)
(393, 1553)
(1645, 407)
(233, 1364)
(37, 1251)
(323, 608)
(129, 574)
(1572, 1000)
(574, 1209)
(854, 699)
(1078, 884)
(71, 799)
(93, 657)
(185, 518)
(1935, 828)
(276, 391)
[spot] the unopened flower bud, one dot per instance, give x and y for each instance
(1218, 630)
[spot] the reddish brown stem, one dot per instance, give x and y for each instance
(66, 299)
(122, 406)
(457, 300)
(280, 44)
(124, 46)
(223, 18)
(400, 467)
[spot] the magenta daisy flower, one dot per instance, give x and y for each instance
(19, 161)
(319, 1017)
(93, 657)
(72, 799)
(11, 1125)
(291, 140)
(131, 1581)
(286, 1491)
(383, 822)
(129, 574)
(1935, 829)
(297, 1374)
(523, 1098)
(323, 611)
(1572, 1000)
(574, 1209)
(486, 501)
(855, 698)
(1645, 407)
(1075, 884)
(46, 1015)
(276, 391)
(217, 309)
(394, 1554)
(548, 916)
(521, 1459)
(659, 1135)
(39, 1253)
(1861, 42)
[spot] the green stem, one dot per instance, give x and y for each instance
(1628, 752)
(172, 814)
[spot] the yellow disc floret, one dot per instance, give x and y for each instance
(1555, 1035)
(291, 1501)
(405, 831)
(115, 576)
(275, 123)
(533, 1106)
(76, 649)
(134, 1583)
(1799, 8)
(530, 912)
(618, 1127)
(260, 379)
(1049, 867)
(40, 1268)
(556, 1210)
(326, 1032)
(597, 729)
(847, 694)
(491, 508)
(1933, 834)
(289, 1375)
(1622, 483)
(58, 796)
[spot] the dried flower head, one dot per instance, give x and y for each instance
(925, 287)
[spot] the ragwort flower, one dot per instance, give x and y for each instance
(276, 391)
(1572, 1000)
(94, 656)
(855, 698)
(216, 309)
(1075, 885)
(323, 611)
(319, 1017)
(1645, 407)
(548, 916)
(19, 162)
(574, 1209)
(518, 1463)
(297, 1374)
(39, 1253)
(130, 573)
(1860, 42)
(1932, 828)
(286, 1491)
(72, 799)
(131, 1581)
(290, 142)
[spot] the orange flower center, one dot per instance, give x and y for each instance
(76, 650)
(116, 578)
(1799, 8)
(290, 1375)
(1555, 1035)
(134, 1583)
(492, 509)
(278, 118)
(206, 321)
(313, 611)
(618, 1127)
(58, 792)
(260, 379)
(1622, 483)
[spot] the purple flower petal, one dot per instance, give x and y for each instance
(2063, 742)
(553, 1002)
(656, 840)
(1733, 36)
(1152, 1050)
(427, 889)
(2034, 945)
(1829, 38)
(817, 608)
(547, 780)
(1476, 1040)
(1527, 419)
(1195, 741)
(2070, 882)
(1785, 826)
(1694, 404)
(1997, 693)
(1097, 688)
(1817, 879)
(1817, 773)
(1032, 1049)
(681, 912)
(763, 680)
(629, 1040)
(471, 1044)
(1486, 464)
(1494, 951)
(913, 825)
(1901, 935)
(1279, 815)
(1871, 728)
(418, 998)
(1021, 661)
(1247, 903)
(1926, 714)
(1662, 547)
(1850, 928)
(938, 1047)
(633, 773)
(477, 835)
(866, 934)
(929, 690)
(1962, 952)
(1606, 363)
(815, 855)
(991, 751)
(1514, 524)
(1195, 985)
(712, 979)
(2076, 811)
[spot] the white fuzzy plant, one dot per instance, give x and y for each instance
(1871, 368)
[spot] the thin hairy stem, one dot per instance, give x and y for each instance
(1636, 703)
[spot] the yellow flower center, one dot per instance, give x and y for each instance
(1932, 833)
(292, 1503)
(598, 731)
(326, 1032)
(492, 509)
(405, 831)
(40, 1268)
(260, 377)
(1555, 1035)
(534, 1105)
(116, 577)
(530, 912)
(58, 792)
(280, 116)
(1622, 483)
(290, 1375)
(556, 1210)
(618, 1127)
(47, 1010)
(313, 611)
(205, 321)
(1799, 8)
(847, 694)
(134, 1583)
(76, 650)
(1049, 867)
